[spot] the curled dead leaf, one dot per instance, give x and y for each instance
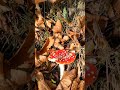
(58, 27)
(42, 85)
(66, 82)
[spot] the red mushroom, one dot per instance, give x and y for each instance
(90, 74)
(62, 57)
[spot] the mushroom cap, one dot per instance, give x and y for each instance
(62, 57)
(90, 74)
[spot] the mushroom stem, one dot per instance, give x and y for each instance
(61, 70)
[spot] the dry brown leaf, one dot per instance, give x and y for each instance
(116, 6)
(5, 86)
(37, 62)
(91, 17)
(44, 48)
(53, 1)
(48, 23)
(58, 35)
(75, 84)
(72, 46)
(51, 42)
(42, 85)
(50, 84)
(39, 1)
(57, 40)
(81, 85)
(58, 45)
(42, 58)
(89, 47)
(39, 22)
(19, 1)
(65, 38)
(3, 83)
(4, 9)
(58, 27)
(3, 2)
(72, 34)
(80, 21)
(3, 23)
(66, 82)
(19, 77)
(27, 64)
(101, 42)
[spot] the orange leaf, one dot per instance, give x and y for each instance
(58, 27)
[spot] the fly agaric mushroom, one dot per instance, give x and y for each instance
(90, 74)
(62, 57)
